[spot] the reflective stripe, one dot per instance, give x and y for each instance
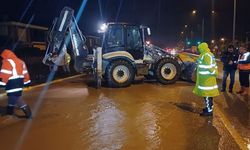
(16, 77)
(209, 109)
(25, 71)
(212, 62)
(14, 90)
(207, 66)
(211, 57)
(244, 56)
(6, 71)
(14, 71)
(27, 82)
(206, 72)
(76, 45)
(13, 67)
(63, 21)
(23, 106)
(208, 87)
(2, 83)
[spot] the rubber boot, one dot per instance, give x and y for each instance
(27, 111)
(208, 111)
(245, 91)
(241, 90)
(10, 110)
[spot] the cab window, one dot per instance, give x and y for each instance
(134, 41)
(115, 37)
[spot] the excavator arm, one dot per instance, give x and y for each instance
(64, 30)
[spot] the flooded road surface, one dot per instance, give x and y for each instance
(145, 116)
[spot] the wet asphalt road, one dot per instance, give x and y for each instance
(144, 116)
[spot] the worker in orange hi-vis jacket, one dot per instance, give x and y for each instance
(14, 76)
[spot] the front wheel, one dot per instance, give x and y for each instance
(120, 73)
(167, 71)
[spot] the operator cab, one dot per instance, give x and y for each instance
(124, 37)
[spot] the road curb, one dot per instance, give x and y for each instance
(233, 132)
(43, 84)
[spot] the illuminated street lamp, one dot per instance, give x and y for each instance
(182, 32)
(186, 25)
(194, 12)
(222, 39)
(212, 41)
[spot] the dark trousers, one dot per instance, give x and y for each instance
(16, 100)
(244, 78)
(224, 80)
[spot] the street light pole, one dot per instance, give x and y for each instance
(213, 20)
(203, 29)
(202, 25)
(234, 21)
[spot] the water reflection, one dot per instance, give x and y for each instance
(206, 136)
(148, 122)
(106, 131)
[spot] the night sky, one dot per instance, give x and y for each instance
(165, 17)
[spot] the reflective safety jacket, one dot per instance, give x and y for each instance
(13, 74)
(207, 70)
(244, 61)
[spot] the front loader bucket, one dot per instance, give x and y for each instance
(188, 71)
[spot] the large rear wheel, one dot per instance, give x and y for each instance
(120, 73)
(167, 71)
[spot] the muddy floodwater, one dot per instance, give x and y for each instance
(145, 116)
